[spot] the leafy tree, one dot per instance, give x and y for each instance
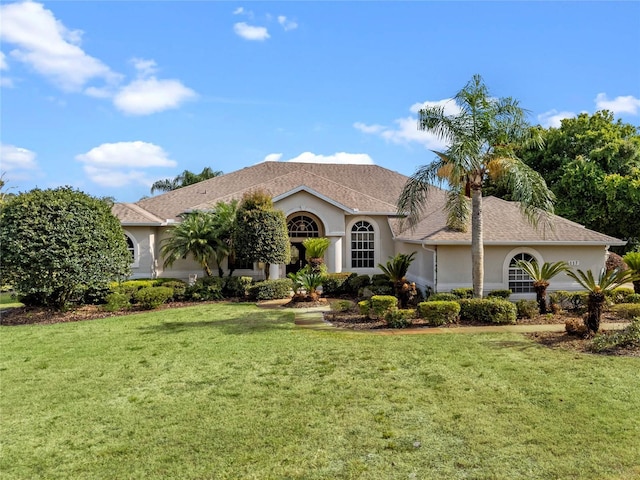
(541, 277)
(483, 137)
(185, 179)
(261, 231)
(59, 243)
(194, 236)
(592, 164)
(632, 259)
(224, 219)
(597, 288)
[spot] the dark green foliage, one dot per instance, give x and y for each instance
(399, 318)
(626, 310)
(439, 312)
(527, 308)
(261, 232)
(179, 289)
(57, 244)
(271, 289)
(443, 297)
(185, 179)
(116, 301)
(505, 294)
(487, 310)
(236, 287)
(619, 295)
(632, 260)
(635, 298)
(152, 297)
(620, 340)
(342, 306)
(357, 282)
(575, 301)
(333, 283)
(381, 289)
(380, 279)
(206, 289)
(463, 292)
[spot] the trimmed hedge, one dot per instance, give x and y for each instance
(439, 312)
(381, 304)
(364, 306)
(116, 301)
(334, 283)
(463, 292)
(271, 289)
(443, 297)
(399, 318)
(487, 310)
(527, 308)
(626, 310)
(500, 294)
(152, 297)
(619, 295)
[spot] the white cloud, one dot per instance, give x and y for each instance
(339, 157)
(18, 163)
(287, 24)
(123, 163)
(150, 95)
(238, 11)
(47, 46)
(553, 118)
(250, 32)
(273, 157)
(628, 104)
(4, 80)
(144, 67)
(368, 128)
(3, 62)
(449, 105)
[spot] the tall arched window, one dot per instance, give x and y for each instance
(133, 250)
(362, 245)
(302, 226)
(519, 281)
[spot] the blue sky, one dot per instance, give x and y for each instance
(110, 96)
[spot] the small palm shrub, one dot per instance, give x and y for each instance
(463, 292)
(152, 297)
(487, 310)
(399, 318)
(315, 250)
(527, 308)
(632, 260)
(438, 313)
(541, 275)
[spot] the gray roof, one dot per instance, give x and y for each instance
(362, 189)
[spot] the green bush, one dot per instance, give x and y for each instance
(443, 297)
(206, 289)
(364, 307)
(380, 279)
(635, 298)
(576, 301)
(236, 287)
(619, 295)
(381, 304)
(116, 301)
(626, 310)
(611, 341)
(399, 318)
(357, 282)
(463, 292)
(381, 289)
(152, 297)
(271, 289)
(505, 294)
(527, 308)
(333, 283)
(487, 310)
(438, 313)
(342, 306)
(130, 287)
(179, 289)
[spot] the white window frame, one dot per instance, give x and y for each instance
(507, 262)
(136, 249)
(376, 245)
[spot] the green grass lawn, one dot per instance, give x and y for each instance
(7, 300)
(228, 391)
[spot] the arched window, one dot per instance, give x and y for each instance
(519, 281)
(133, 249)
(302, 226)
(362, 245)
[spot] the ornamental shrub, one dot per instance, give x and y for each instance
(619, 295)
(635, 298)
(206, 289)
(364, 307)
(399, 318)
(527, 308)
(342, 306)
(357, 282)
(333, 283)
(381, 304)
(179, 289)
(271, 289)
(463, 292)
(612, 341)
(116, 301)
(626, 310)
(152, 297)
(56, 244)
(442, 297)
(130, 287)
(487, 310)
(500, 294)
(236, 287)
(438, 313)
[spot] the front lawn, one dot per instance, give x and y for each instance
(229, 391)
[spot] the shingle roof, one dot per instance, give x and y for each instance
(503, 223)
(357, 188)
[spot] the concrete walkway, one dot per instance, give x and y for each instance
(313, 318)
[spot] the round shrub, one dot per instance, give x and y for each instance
(505, 294)
(333, 283)
(443, 297)
(463, 292)
(116, 301)
(399, 318)
(487, 310)
(439, 312)
(357, 282)
(381, 304)
(626, 310)
(152, 297)
(342, 306)
(179, 289)
(364, 306)
(527, 308)
(271, 289)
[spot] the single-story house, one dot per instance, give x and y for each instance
(355, 207)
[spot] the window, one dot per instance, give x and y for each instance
(131, 248)
(302, 226)
(362, 245)
(519, 281)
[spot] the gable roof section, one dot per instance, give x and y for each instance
(132, 214)
(357, 188)
(503, 224)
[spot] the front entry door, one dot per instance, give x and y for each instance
(298, 258)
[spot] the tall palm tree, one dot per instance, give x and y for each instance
(184, 179)
(596, 288)
(194, 236)
(541, 277)
(482, 136)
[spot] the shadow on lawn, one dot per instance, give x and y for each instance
(521, 345)
(241, 325)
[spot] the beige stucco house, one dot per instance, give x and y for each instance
(355, 207)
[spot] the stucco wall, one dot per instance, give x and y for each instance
(421, 271)
(144, 241)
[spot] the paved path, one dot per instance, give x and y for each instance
(313, 318)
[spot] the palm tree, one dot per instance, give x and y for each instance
(224, 219)
(483, 137)
(541, 277)
(596, 288)
(194, 236)
(396, 269)
(632, 259)
(315, 248)
(184, 179)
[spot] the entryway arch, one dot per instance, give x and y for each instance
(301, 225)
